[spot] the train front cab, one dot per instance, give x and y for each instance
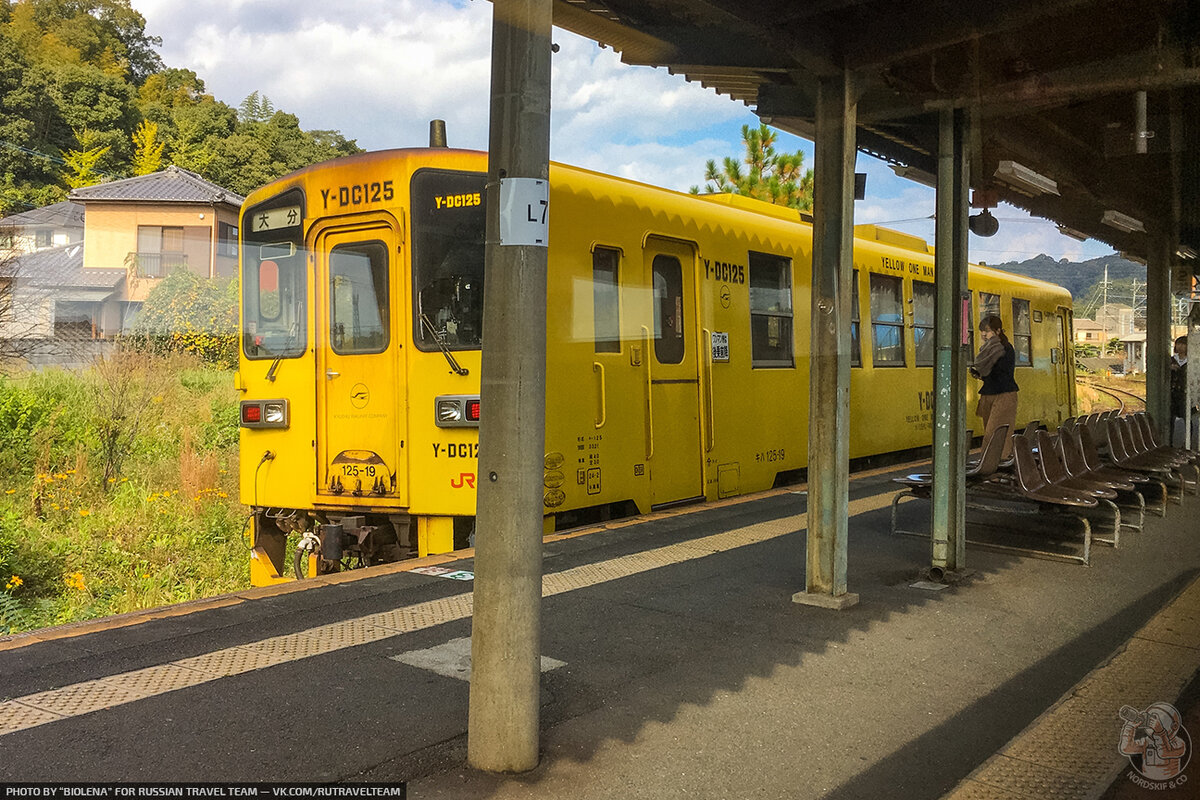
(334, 335)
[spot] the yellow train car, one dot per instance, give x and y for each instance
(677, 358)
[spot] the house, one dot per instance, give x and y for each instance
(151, 224)
(1135, 352)
(1088, 331)
(134, 232)
(1116, 318)
(50, 226)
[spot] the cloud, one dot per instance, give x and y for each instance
(379, 70)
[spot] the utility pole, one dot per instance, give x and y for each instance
(503, 721)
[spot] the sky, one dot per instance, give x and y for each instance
(379, 70)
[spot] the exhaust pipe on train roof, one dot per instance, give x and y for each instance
(437, 133)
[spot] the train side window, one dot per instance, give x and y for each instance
(887, 321)
(989, 304)
(924, 301)
(358, 298)
(855, 344)
(770, 311)
(668, 310)
(606, 299)
(1022, 340)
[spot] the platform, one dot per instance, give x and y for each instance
(675, 665)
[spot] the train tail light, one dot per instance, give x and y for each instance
(456, 411)
(264, 414)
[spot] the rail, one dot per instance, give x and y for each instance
(1119, 395)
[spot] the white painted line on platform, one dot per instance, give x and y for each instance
(453, 659)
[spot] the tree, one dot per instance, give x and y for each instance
(148, 151)
(778, 178)
(82, 165)
(186, 312)
(255, 108)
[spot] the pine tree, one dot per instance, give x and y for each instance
(778, 178)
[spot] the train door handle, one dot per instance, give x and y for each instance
(598, 368)
(649, 395)
(710, 437)
(330, 374)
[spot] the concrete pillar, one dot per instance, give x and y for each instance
(502, 729)
(948, 516)
(1158, 336)
(829, 368)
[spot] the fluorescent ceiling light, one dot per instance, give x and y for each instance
(913, 174)
(1186, 252)
(1074, 234)
(1122, 222)
(1019, 176)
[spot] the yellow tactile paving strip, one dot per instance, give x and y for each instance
(1070, 751)
(81, 698)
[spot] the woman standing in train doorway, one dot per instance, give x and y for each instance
(998, 396)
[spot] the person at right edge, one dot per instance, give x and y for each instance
(1178, 365)
(995, 365)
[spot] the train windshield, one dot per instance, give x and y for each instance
(274, 279)
(448, 223)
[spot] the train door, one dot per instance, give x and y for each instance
(1064, 368)
(359, 428)
(672, 371)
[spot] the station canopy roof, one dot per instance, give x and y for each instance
(1051, 87)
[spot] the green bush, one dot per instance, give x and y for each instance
(187, 313)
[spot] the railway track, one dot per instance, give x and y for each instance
(1123, 397)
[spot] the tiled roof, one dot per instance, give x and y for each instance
(57, 267)
(66, 214)
(172, 185)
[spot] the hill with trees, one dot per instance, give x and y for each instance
(1083, 278)
(85, 97)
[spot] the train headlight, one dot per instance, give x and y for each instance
(273, 414)
(449, 411)
(457, 411)
(264, 413)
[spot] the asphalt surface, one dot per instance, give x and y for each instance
(695, 679)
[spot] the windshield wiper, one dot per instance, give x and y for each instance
(287, 346)
(454, 365)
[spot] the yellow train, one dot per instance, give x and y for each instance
(677, 358)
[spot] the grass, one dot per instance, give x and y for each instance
(118, 490)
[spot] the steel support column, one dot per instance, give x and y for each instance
(502, 728)
(829, 366)
(949, 379)
(1158, 335)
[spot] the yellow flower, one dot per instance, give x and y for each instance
(222, 494)
(83, 512)
(14, 582)
(74, 580)
(11, 491)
